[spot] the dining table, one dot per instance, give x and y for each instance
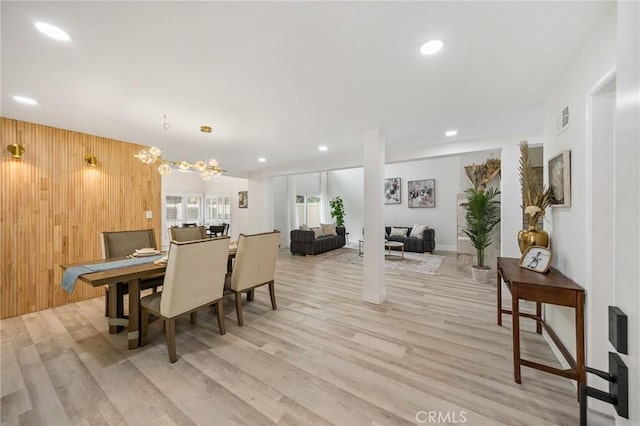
(131, 274)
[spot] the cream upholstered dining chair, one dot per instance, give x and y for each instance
(194, 278)
(121, 244)
(255, 265)
(190, 233)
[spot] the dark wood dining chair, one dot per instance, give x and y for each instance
(216, 230)
(194, 279)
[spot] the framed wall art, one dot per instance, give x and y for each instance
(243, 199)
(392, 190)
(421, 193)
(560, 179)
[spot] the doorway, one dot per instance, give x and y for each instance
(601, 109)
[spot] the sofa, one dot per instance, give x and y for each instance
(305, 242)
(419, 245)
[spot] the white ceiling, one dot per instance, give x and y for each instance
(279, 79)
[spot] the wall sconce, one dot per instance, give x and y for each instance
(91, 160)
(16, 150)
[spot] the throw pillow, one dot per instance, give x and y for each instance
(418, 230)
(398, 232)
(304, 228)
(318, 232)
(328, 228)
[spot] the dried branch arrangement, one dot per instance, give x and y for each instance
(481, 174)
(535, 198)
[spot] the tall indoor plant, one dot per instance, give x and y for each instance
(337, 210)
(482, 216)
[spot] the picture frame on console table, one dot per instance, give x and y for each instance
(421, 193)
(537, 259)
(560, 179)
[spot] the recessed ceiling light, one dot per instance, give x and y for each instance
(25, 100)
(52, 31)
(205, 129)
(451, 133)
(431, 47)
(322, 148)
(262, 160)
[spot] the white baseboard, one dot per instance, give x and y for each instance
(446, 247)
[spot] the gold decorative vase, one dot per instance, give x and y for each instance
(532, 237)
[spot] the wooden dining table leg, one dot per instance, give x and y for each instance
(539, 319)
(580, 340)
(499, 296)
(116, 320)
(134, 314)
(515, 313)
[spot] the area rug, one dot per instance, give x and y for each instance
(423, 263)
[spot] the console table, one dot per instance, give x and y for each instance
(552, 288)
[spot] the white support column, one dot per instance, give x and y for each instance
(260, 203)
(373, 289)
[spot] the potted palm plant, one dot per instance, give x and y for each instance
(482, 216)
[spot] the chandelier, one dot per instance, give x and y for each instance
(152, 154)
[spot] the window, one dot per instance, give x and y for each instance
(179, 209)
(217, 209)
(308, 209)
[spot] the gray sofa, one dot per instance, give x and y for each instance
(305, 242)
(419, 245)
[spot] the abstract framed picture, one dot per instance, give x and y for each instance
(392, 190)
(421, 193)
(560, 179)
(243, 199)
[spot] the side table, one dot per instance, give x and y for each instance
(397, 244)
(551, 288)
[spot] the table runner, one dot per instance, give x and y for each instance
(71, 274)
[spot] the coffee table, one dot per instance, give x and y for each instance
(394, 244)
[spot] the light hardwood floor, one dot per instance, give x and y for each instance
(324, 357)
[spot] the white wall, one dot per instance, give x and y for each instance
(349, 184)
(568, 225)
(260, 213)
(226, 185)
(280, 211)
(183, 182)
(443, 217)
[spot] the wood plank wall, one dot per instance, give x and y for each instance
(54, 206)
